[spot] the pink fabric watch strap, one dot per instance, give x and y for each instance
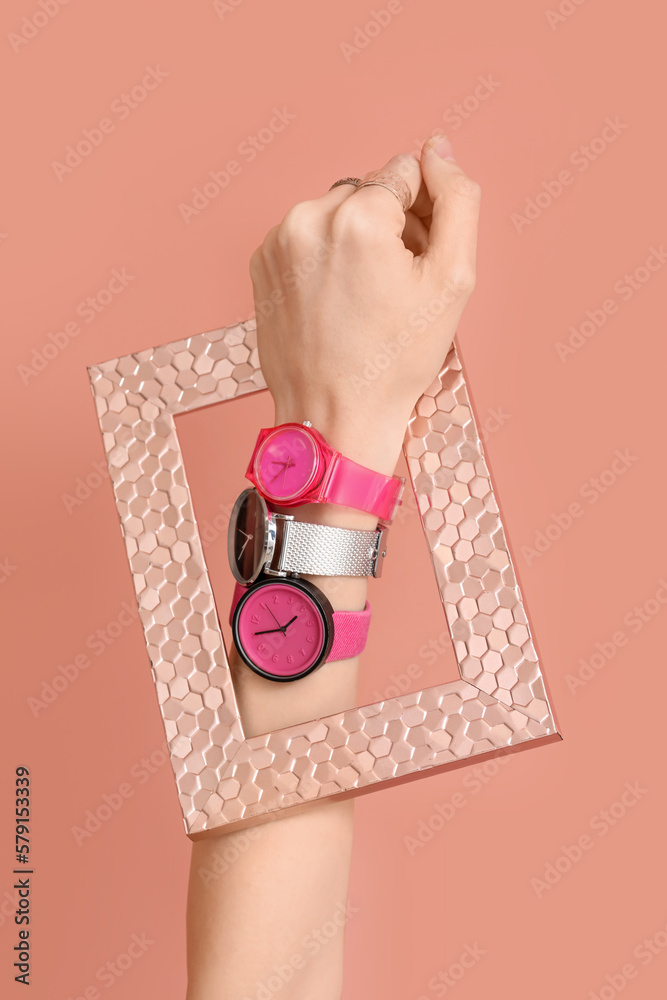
(350, 633)
(353, 485)
(350, 628)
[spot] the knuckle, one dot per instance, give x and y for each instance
(354, 221)
(461, 279)
(298, 226)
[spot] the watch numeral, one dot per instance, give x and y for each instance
(275, 598)
(290, 600)
(275, 657)
(302, 652)
(303, 608)
(310, 623)
(290, 659)
(263, 649)
(255, 619)
(309, 638)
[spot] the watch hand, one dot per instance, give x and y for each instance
(289, 622)
(267, 630)
(288, 465)
(285, 465)
(247, 539)
(273, 616)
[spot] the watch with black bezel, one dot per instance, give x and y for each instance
(286, 628)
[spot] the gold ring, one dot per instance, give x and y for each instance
(398, 186)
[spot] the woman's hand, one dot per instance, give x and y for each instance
(357, 302)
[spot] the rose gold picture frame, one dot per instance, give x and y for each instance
(226, 781)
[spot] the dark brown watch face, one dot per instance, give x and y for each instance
(247, 536)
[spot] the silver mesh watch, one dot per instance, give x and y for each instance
(263, 541)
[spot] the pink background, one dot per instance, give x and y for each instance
(65, 573)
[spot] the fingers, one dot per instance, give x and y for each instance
(439, 225)
(452, 243)
(415, 233)
(378, 210)
(379, 205)
(422, 206)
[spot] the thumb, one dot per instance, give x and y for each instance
(452, 244)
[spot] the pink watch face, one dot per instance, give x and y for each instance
(286, 463)
(280, 631)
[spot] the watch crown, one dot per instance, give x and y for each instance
(307, 423)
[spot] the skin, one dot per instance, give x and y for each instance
(381, 267)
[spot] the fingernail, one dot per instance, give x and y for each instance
(442, 146)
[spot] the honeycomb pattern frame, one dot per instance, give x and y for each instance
(226, 781)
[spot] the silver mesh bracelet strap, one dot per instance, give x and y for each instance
(322, 550)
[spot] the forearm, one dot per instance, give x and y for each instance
(280, 906)
(292, 880)
(273, 907)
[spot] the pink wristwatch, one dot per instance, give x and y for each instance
(286, 628)
(292, 464)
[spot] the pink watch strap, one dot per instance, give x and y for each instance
(353, 485)
(350, 628)
(350, 633)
